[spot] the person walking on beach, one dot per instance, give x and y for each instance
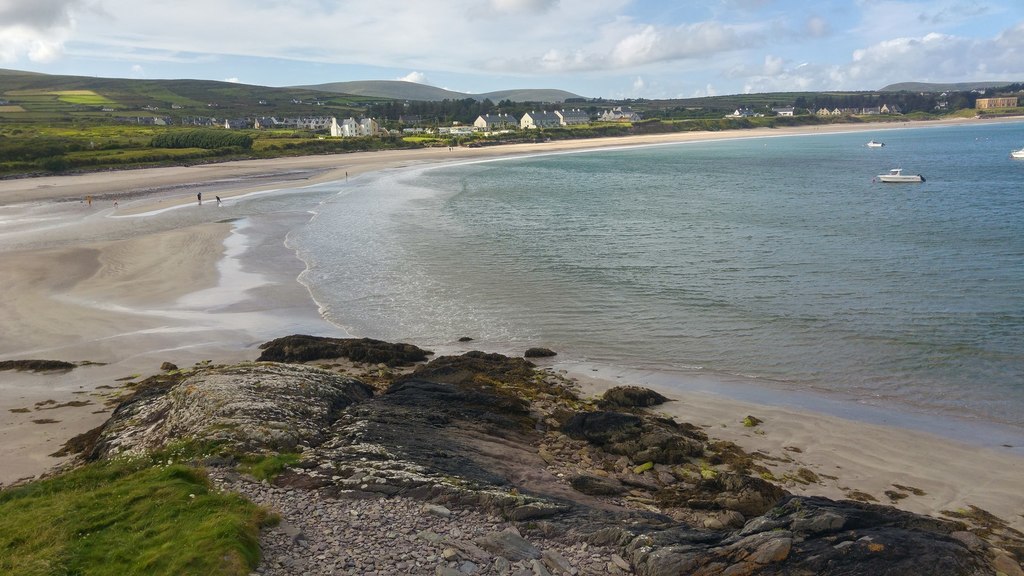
(218, 201)
(199, 197)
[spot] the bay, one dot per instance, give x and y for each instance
(774, 262)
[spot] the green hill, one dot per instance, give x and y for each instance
(943, 87)
(56, 96)
(400, 90)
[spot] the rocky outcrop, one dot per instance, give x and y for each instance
(641, 438)
(302, 348)
(248, 408)
(621, 397)
(484, 434)
(37, 365)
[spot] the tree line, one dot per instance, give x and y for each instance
(207, 139)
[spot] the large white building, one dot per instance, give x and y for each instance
(351, 127)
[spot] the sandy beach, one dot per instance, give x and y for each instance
(159, 278)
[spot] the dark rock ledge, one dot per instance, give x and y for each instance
(481, 464)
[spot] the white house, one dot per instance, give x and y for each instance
(542, 119)
(783, 110)
(572, 117)
(488, 122)
(620, 114)
(350, 127)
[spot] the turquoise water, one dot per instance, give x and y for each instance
(772, 261)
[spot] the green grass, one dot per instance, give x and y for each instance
(267, 467)
(83, 98)
(127, 517)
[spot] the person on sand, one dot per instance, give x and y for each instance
(218, 200)
(199, 197)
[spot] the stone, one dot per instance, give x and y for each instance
(752, 421)
(1006, 564)
(620, 562)
(436, 510)
(596, 486)
(508, 545)
(555, 562)
(538, 353)
(630, 397)
(775, 550)
(538, 568)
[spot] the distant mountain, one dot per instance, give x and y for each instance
(400, 90)
(943, 87)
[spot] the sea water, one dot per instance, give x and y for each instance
(775, 262)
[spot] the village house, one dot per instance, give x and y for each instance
(573, 117)
(783, 110)
(455, 130)
(542, 119)
(488, 122)
(619, 114)
(744, 112)
(315, 123)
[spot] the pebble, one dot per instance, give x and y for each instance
(323, 536)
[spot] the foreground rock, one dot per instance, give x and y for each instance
(479, 464)
(301, 348)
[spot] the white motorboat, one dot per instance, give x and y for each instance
(896, 176)
(873, 144)
(1017, 153)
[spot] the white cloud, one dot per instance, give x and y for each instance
(417, 77)
(639, 84)
(654, 44)
(817, 27)
(35, 30)
(523, 6)
(18, 41)
(773, 65)
(233, 80)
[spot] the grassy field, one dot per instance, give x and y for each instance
(145, 516)
(83, 98)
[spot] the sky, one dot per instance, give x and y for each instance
(595, 48)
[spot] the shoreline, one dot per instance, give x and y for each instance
(187, 284)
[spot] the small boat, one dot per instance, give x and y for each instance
(1017, 153)
(896, 176)
(873, 144)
